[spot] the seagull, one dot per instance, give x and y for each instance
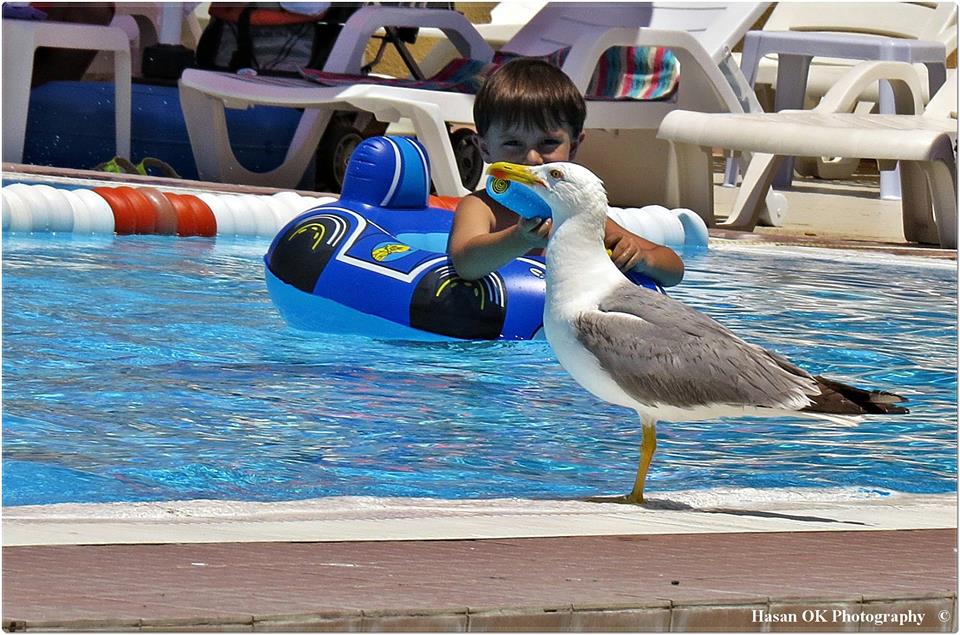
(638, 348)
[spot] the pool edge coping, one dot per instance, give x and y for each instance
(371, 519)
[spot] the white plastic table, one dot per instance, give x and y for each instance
(794, 51)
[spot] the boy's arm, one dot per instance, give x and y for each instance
(629, 250)
(476, 249)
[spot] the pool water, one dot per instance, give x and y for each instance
(148, 368)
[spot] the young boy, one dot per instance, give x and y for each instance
(529, 112)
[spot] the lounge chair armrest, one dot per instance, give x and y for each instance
(347, 53)
(903, 78)
(844, 45)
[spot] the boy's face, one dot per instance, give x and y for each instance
(528, 146)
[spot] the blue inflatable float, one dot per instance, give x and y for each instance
(373, 262)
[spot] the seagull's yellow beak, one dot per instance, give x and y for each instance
(514, 172)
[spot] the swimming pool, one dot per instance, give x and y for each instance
(149, 368)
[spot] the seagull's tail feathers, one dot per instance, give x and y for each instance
(842, 399)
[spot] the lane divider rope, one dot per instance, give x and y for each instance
(127, 210)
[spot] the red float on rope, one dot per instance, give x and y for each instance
(165, 212)
(206, 221)
(145, 211)
(186, 217)
(124, 216)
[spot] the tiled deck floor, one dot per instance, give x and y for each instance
(659, 582)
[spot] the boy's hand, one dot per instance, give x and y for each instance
(534, 231)
(628, 250)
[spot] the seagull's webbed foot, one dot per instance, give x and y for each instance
(647, 447)
(617, 500)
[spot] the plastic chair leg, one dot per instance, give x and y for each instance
(942, 176)
(731, 171)
(793, 71)
(206, 121)
(917, 207)
(431, 132)
(889, 179)
(751, 198)
(16, 91)
(690, 180)
(122, 100)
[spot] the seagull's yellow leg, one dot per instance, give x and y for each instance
(647, 447)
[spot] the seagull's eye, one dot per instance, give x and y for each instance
(556, 174)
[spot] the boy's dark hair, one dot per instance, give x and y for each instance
(531, 93)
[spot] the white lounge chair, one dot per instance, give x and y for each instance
(701, 37)
(932, 22)
(923, 143)
(205, 94)
(805, 47)
(21, 38)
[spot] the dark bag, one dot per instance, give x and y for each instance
(269, 39)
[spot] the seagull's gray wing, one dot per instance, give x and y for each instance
(661, 351)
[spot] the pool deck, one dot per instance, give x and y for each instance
(733, 562)
(684, 561)
(687, 582)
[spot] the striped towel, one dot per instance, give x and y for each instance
(635, 72)
(623, 73)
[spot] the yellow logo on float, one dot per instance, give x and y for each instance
(318, 233)
(388, 251)
(499, 186)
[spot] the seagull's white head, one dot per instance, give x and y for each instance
(567, 188)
